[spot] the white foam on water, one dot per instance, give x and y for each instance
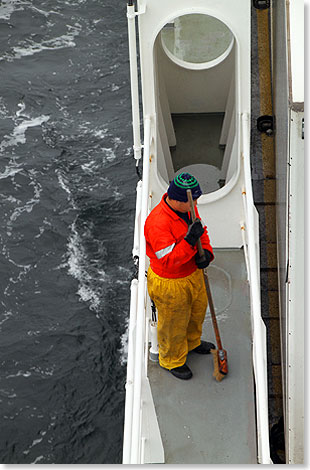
(33, 333)
(18, 136)
(3, 109)
(7, 7)
(20, 373)
(100, 133)
(31, 48)
(26, 267)
(124, 345)
(124, 338)
(62, 107)
(109, 154)
(48, 371)
(77, 2)
(42, 227)
(124, 275)
(117, 140)
(12, 199)
(19, 277)
(10, 171)
(90, 167)
(37, 189)
(36, 441)
(63, 183)
(22, 107)
(117, 195)
(45, 13)
(37, 459)
(5, 317)
(7, 393)
(87, 294)
(77, 263)
(40, 439)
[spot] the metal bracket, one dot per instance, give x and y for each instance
(261, 4)
(133, 14)
(142, 8)
(265, 124)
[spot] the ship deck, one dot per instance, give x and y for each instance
(203, 421)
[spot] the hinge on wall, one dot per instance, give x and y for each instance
(303, 128)
(261, 4)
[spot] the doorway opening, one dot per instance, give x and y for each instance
(195, 78)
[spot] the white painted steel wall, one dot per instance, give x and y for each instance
(296, 34)
(209, 88)
(295, 371)
(288, 86)
(221, 209)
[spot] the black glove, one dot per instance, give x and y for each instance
(195, 230)
(203, 261)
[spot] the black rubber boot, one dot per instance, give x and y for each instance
(204, 348)
(182, 372)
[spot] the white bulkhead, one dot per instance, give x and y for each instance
(218, 83)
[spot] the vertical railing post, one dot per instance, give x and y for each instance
(130, 373)
(134, 84)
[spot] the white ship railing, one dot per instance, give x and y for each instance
(258, 326)
(133, 445)
(133, 67)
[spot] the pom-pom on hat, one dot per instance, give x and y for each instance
(182, 182)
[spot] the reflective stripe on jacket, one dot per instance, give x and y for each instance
(170, 255)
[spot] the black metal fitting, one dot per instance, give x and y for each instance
(153, 308)
(138, 171)
(277, 442)
(265, 124)
(261, 4)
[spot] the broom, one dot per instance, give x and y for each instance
(219, 355)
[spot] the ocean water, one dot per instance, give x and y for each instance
(67, 202)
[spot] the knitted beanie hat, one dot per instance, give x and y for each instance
(182, 182)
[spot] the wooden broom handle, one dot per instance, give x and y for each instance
(212, 310)
(209, 295)
(193, 215)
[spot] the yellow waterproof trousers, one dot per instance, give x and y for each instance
(181, 305)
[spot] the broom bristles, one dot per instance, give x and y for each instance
(216, 373)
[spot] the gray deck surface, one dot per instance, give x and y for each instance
(197, 137)
(197, 150)
(203, 421)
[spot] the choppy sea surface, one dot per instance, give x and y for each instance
(67, 202)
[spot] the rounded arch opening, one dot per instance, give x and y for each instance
(195, 76)
(196, 41)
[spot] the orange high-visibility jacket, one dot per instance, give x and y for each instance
(170, 255)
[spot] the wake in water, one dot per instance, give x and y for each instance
(67, 210)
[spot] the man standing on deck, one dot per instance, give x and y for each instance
(175, 278)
